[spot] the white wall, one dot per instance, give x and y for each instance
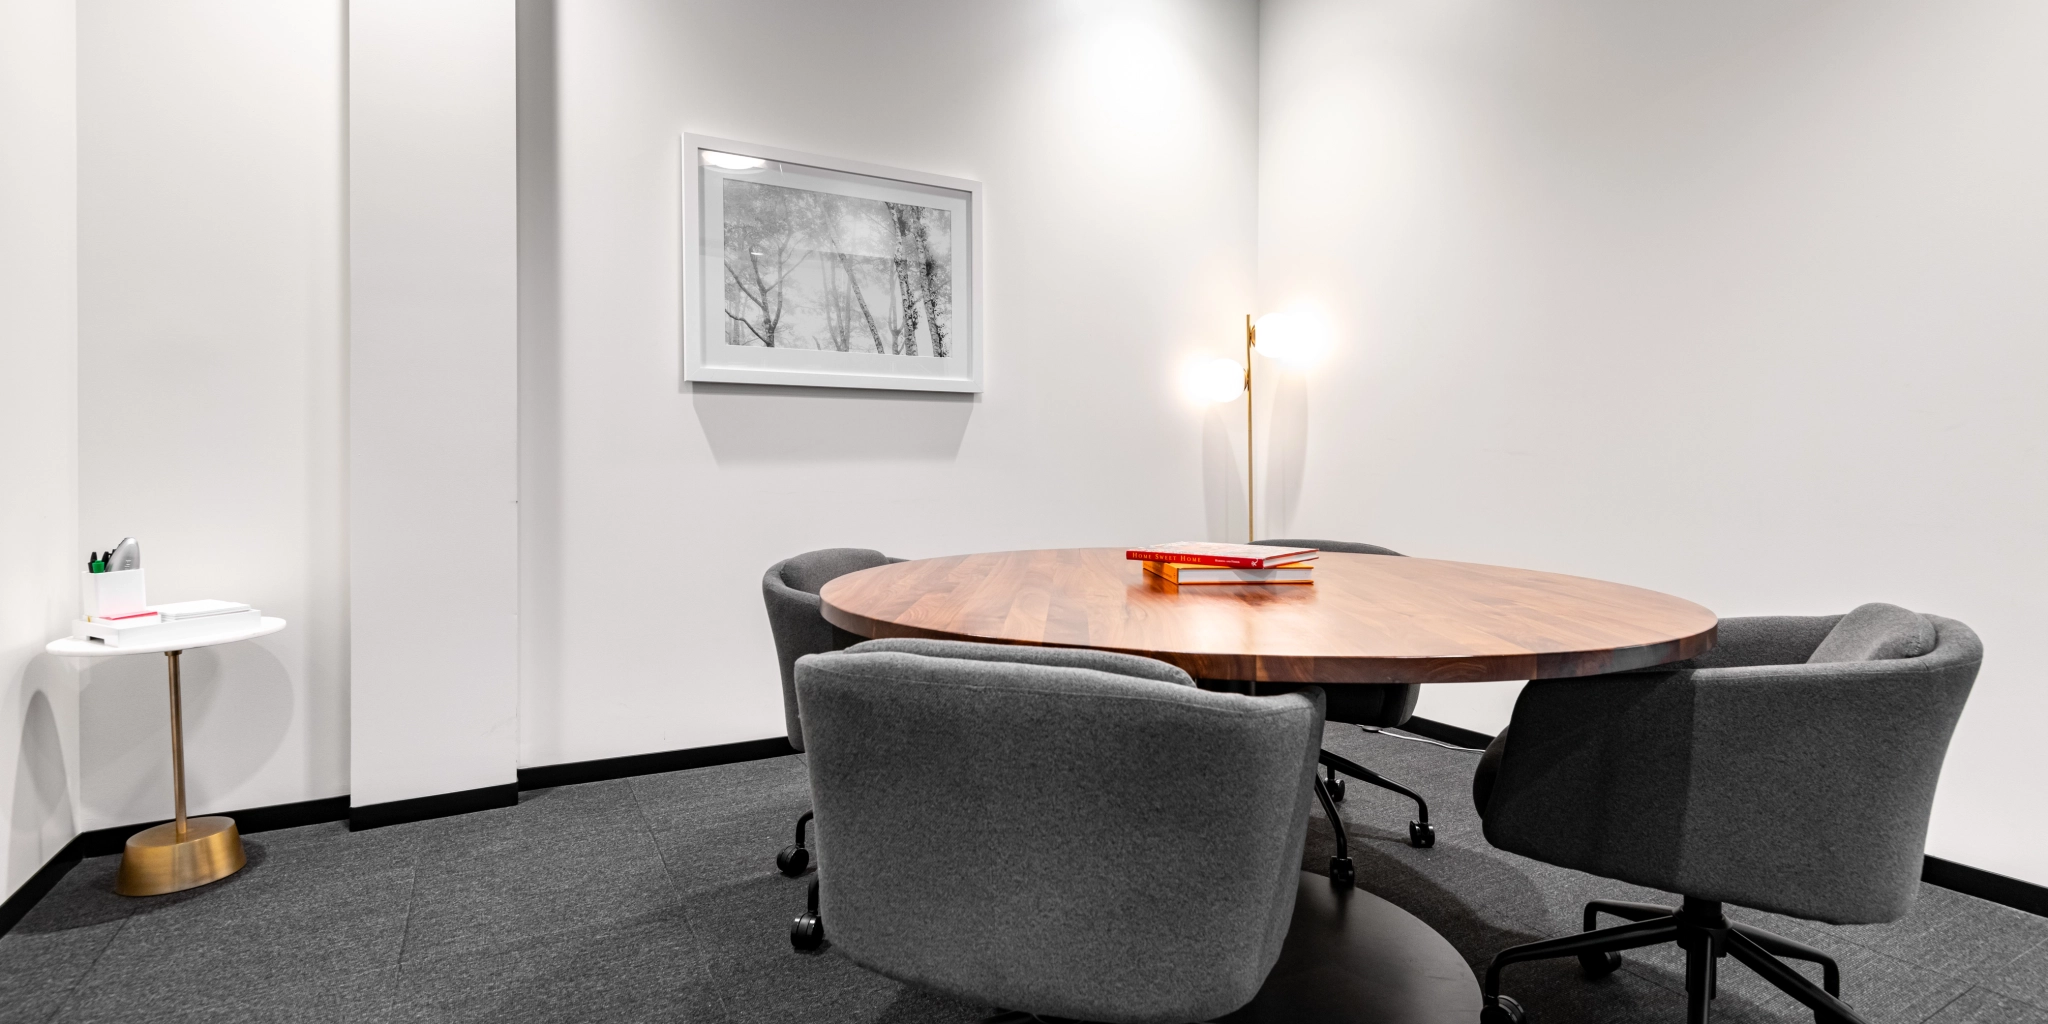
(210, 399)
(1742, 301)
(1116, 141)
(38, 431)
(433, 428)
(1733, 301)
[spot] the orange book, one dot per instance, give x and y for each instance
(1187, 574)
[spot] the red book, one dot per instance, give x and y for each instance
(1231, 556)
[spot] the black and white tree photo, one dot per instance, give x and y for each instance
(828, 272)
(812, 270)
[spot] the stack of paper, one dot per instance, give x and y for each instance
(170, 623)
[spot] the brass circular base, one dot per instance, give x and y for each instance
(159, 860)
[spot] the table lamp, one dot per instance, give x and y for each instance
(1291, 337)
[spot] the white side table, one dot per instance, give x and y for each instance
(180, 853)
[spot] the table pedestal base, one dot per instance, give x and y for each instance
(159, 860)
(1353, 958)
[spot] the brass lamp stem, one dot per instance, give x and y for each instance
(1251, 485)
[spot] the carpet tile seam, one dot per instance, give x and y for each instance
(2038, 1002)
(689, 920)
(718, 987)
(1967, 989)
(505, 947)
(1996, 994)
(238, 999)
(1897, 964)
(499, 947)
(71, 994)
(1636, 967)
(412, 893)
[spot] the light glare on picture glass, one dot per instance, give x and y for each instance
(731, 161)
(1214, 380)
(1292, 337)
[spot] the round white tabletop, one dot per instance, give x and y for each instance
(80, 647)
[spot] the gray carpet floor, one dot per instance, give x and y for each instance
(655, 899)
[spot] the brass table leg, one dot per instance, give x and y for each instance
(181, 853)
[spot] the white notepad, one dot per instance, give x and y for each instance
(198, 609)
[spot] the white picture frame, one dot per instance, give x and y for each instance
(821, 272)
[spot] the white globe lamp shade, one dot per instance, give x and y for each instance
(1214, 380)
(1292, 337)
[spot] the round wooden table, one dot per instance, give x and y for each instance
(1365, 619)
(1350, 957)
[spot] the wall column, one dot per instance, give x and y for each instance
(433, 407)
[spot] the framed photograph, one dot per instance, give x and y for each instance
(804, 269)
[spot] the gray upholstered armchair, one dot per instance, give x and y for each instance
(1136, 841)
(1789, 769)
(797, 620)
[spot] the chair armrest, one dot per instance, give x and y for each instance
(1058, 657)
(1760, 640)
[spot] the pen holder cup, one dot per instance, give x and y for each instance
(109, 595)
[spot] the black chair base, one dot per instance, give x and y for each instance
(807, 932)
(1349, 958)
(1421, 833)
(795, 858)
(1706, 935)
(1343, 874)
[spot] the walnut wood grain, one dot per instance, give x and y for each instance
(1367, 618)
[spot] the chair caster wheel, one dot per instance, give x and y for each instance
(1599, 965)
(1336, 787)
(806, 933)
(1342, 874)
(1421, 834)
(793, 860)
(1503, 1011)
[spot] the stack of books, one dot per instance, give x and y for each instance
(1200, 562)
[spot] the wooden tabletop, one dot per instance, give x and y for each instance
(1366, 619)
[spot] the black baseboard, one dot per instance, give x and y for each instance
(442, 805)
(1444, 732)
(1985, 885)
(102, 841)
(439, 805)
(38, 886)
(548, 776)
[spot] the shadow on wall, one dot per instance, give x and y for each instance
(238, 702)
(1286, 453)
(755, 423)
(1282, 460)
(41, 821)
(1222, 474)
